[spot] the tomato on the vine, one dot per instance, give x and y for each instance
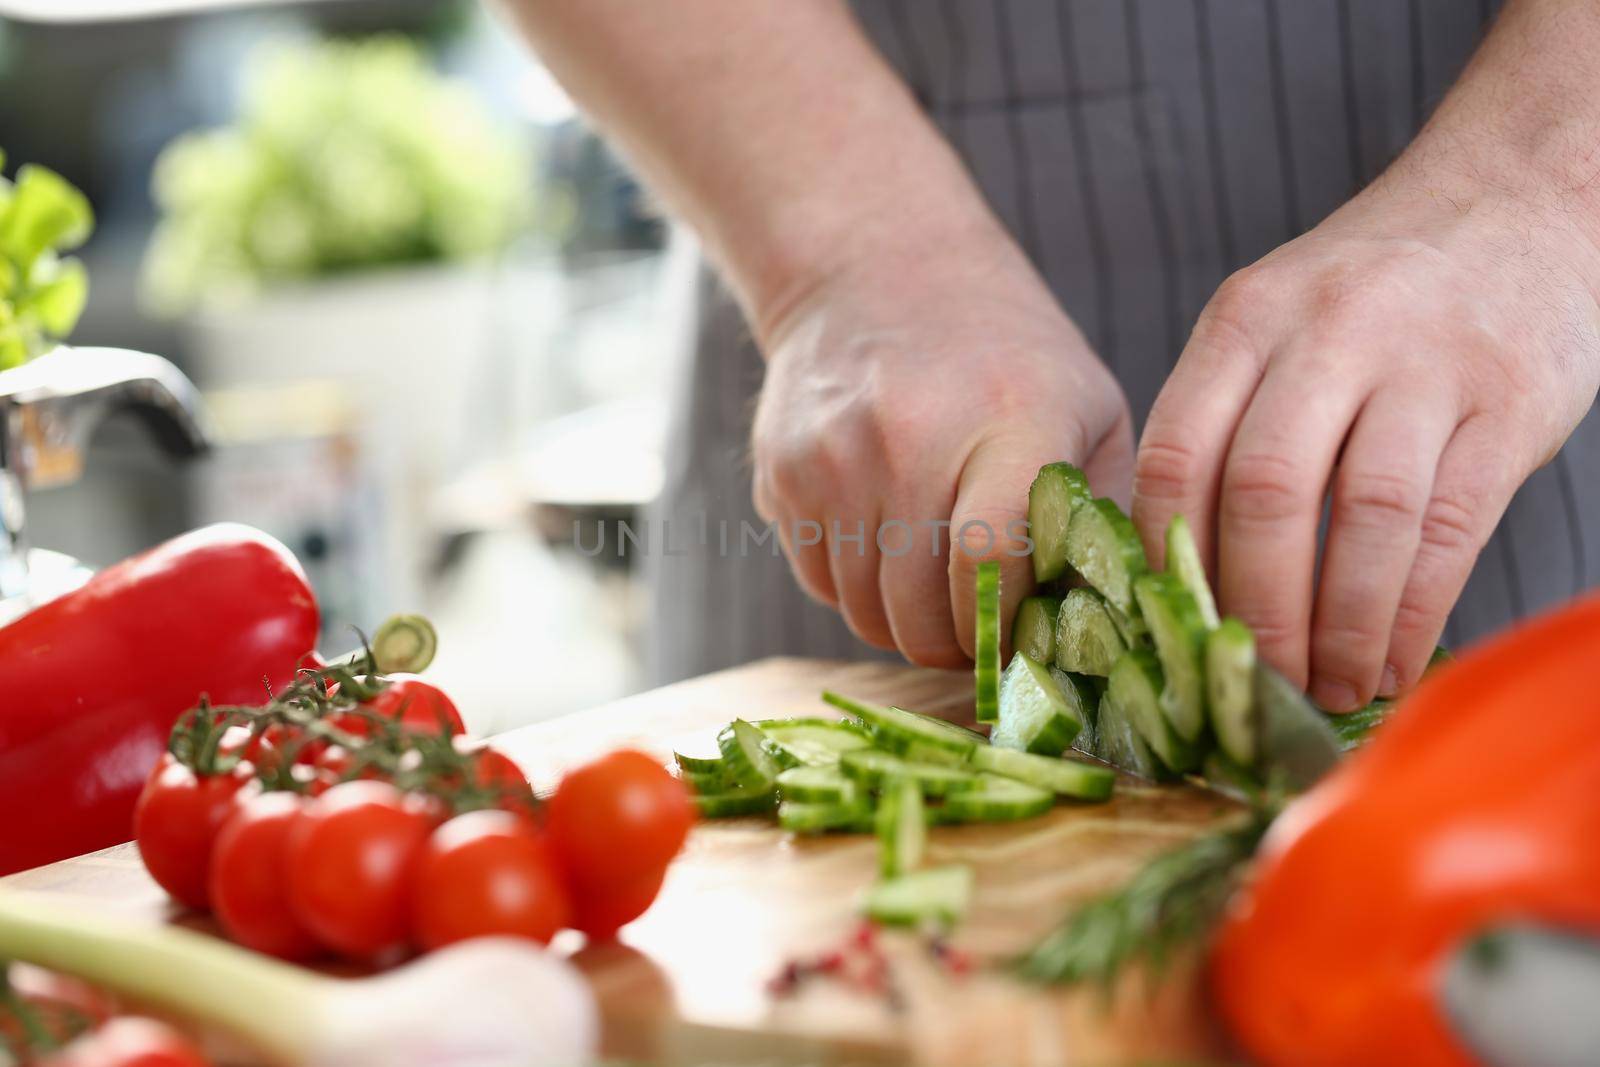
(415, 704)
(176, 822)
(483, 874)
(493, 769)
(249, 877)
(618, 819)
(130, 1041)
(601, 910)
(351, 865)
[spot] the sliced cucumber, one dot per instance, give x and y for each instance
(986, 667)
(1085, 691)
(744, 750)
(905, 731)
(874, 769)
(996, 799)
(1120, 745)
(1353, 729)
(1034, 715)
(1230, 670)
(700, 765)
(1180, 639)
(818, 785)
(902, 827)
(1132, 628)
(1135, 688)
(1183, 561)
(812, 742)
(1034, 630)
(803, 818)
(1087, 640)
(1056, 491)
(1064, 777)
(1225, 775)
(1103, 546)
(708, 781)
(735, 803)
(940, 895)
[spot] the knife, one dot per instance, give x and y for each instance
(1295, 745)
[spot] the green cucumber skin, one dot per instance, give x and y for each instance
(896, 729)
(1064, 777)
(1230, 673)
(1056, 492)
(812, 742)
(1136, 686)
(1087, 640)
(941, 895)
(986, 665)
(1105, 549)
(736, 803)
(874, 769)
(902, 828)
(1179, 635)
(818, 785)
(1034, 714)
(1183, 561)
(1034, 630)
(803, 818)
(744, 750)
(997, 799)
(700, 765)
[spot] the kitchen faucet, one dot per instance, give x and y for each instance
(49, 411)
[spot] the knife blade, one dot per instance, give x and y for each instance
(1295, 745)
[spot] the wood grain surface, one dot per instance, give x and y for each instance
(687, 984)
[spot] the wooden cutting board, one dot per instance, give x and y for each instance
(688, 982)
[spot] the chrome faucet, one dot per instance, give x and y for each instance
(49, 410)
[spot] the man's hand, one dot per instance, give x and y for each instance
(920, 392)
(1417, 356)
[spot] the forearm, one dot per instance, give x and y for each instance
(1522, 124)
(772, 127)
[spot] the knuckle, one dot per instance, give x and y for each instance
(1348, 641)
(1263, 486)
(1379, 500)
(1167, 467)
(1451, 525)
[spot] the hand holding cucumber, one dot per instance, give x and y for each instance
(1401, 356)
(922, 392)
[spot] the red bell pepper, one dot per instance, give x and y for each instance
(91, 683)
(1479, 804)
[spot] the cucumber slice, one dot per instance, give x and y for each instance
(1120, 744)
(940, 895)
(744, 750)
(708, 781)
(873, 769)
(1183, 561)
(1132, 628)
(818, 785)
(1226, 776)
(736, 802)
(986, 667)
(1064, 777)
(1353, 729)
(803, 818)
(996, 799)
(700, 765)
(1056, 491)
(1034, 630)
(1034, 714)
(1180, 640)
(905, 731)
(1087, 640)
(1230, 671)
(1136, 686)
(1103, 546)
(812, 742)
(1085, 692)
(902, 827)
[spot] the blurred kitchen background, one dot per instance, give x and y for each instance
(436, 322)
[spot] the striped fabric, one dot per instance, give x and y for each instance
(1140, 150)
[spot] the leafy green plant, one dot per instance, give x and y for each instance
(346, 156)
(41, 293)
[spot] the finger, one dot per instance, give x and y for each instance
(1381, 488)
(1470, 494)
(1185, 442)
(805, 544)
(1109, 467)
(1273, 485)
(913, 580)
(988, 522)
(853, 559)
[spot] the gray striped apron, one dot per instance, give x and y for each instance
(1140, 151)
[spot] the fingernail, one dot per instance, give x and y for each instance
(1333, 695)
(1390, 685)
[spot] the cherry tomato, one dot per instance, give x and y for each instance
(176, 822)
(495, 769)
(619, 818)
(601, 910)
(415, 704)
(351, 861)
(483, 874)
(249, 877)
(130, 1042)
